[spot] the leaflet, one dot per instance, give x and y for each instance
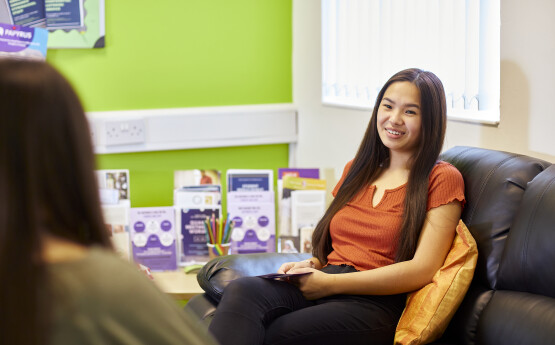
(254, 216)
(302, 204)
(192, 233)
(196, 198)
(196, 177)
(116, 219)
(23, 42)
(250, 180)
(307, 207)
(153, 237)
(114, 186)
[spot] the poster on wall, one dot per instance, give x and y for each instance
(65, 15)
(75, 23)
(23, 12)
(71, 23)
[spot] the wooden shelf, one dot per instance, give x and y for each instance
(178, 284)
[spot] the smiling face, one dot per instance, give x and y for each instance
(399, 118)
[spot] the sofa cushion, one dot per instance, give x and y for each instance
(529, 254)
(430, 309)
(494, 185)
(514, 318)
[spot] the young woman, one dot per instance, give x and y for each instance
(61, 281)
(386, 233)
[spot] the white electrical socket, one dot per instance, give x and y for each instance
(124, 132)
(92, 130)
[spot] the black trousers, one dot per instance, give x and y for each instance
(259, 311)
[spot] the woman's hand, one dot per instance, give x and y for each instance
(288, 266)
(315, 285)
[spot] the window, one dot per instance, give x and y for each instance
(364, 42)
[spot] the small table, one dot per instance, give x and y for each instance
(178, 284)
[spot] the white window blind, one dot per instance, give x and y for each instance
(364, 42)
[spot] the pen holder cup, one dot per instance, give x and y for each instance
(215, 250)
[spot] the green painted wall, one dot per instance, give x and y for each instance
(185, 53)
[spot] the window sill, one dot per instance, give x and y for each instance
(483, 117)
(487, 118)
(343, 105)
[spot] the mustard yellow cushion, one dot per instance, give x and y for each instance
(429, 310)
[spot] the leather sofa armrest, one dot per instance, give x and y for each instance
(202, 308)
(217, 273)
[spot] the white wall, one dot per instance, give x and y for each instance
(328, 136)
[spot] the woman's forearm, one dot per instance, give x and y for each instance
(388, 280)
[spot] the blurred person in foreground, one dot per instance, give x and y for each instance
(62, 282)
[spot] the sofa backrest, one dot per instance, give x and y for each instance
(528, 260)
(522, 308)
(495, 183)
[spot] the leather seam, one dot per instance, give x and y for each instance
(485, 183)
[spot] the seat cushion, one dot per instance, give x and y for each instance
(514, 317)
(429, 310)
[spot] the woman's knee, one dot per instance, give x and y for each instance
(243, 286)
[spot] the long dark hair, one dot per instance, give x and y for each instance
(372, 153)
(47, 185)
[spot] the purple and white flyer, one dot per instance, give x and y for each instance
(254, 217)
(23, 42)
(193, 236)
(153, 237)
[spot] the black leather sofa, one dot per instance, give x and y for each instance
(510, 211)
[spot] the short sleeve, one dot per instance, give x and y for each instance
(446, 185)
(345, 171)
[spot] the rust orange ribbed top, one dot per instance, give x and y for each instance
(364, 236)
